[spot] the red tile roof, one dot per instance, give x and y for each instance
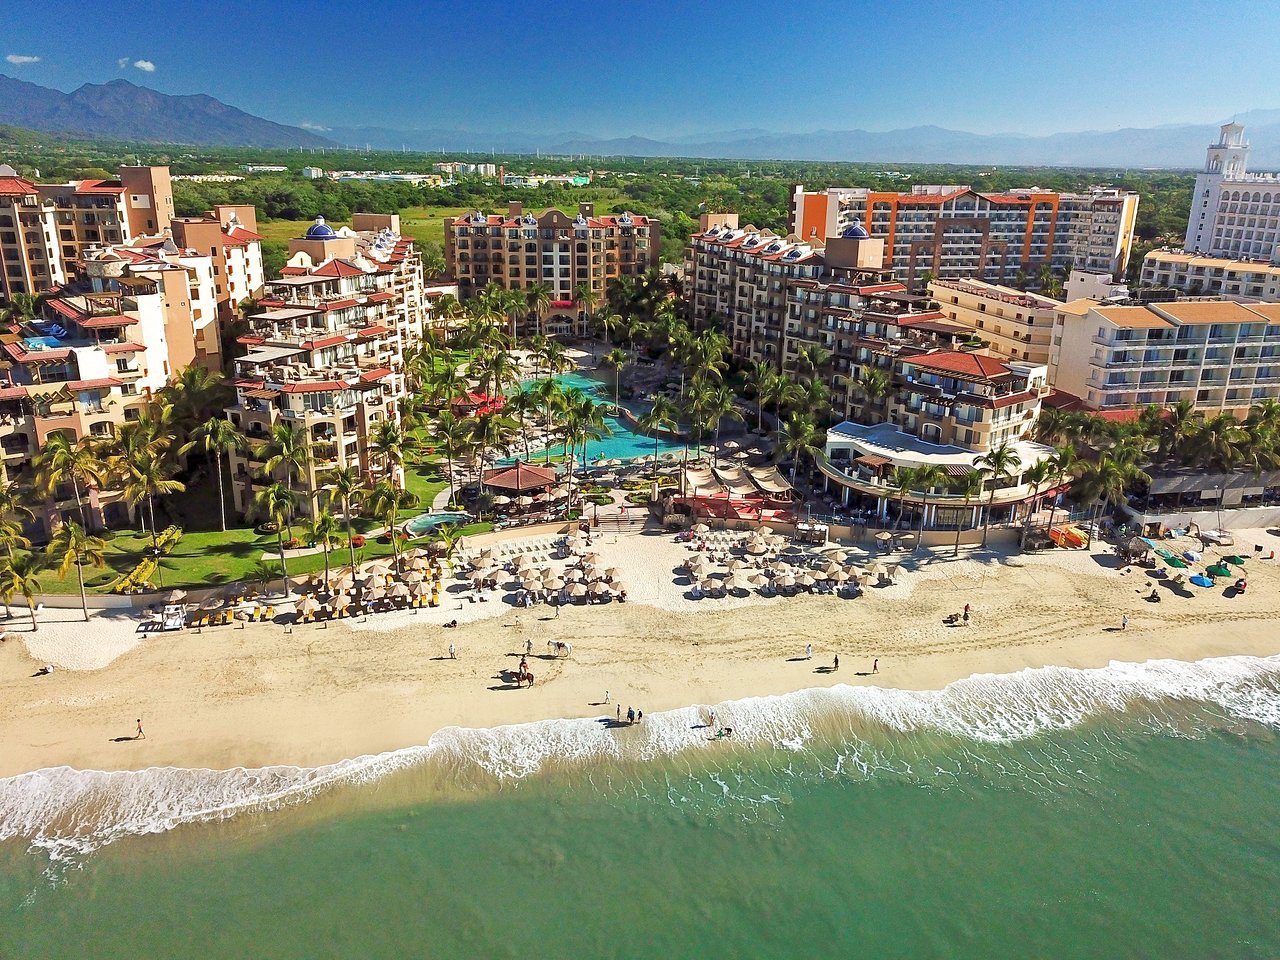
(115, 320)
(16, 186)
(965, 364)
(125, 347)
(240, 237)
(337, 268)
(370, 375)
(319, 386)
(373, 331)
(332, 341)
(94, 384)
(520, 476)
(99, 186)
(340, 304)
(12, 393)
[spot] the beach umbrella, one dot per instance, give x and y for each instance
(211, 603)
(375, 592)
(738, 582)
(1218, 570)
(741, 455)
(175, 596)
(502, 500)
(785, 580)
(906, 536)
(613, 573)
(757, 547)
(420, 589)
(599, 587)
(523, 562)
(1234, 560)
(1200, 580)
(339, 600)
(806, 580)
(839, 576)
(1191, 556)
(577, 590)
(524, 501)
(696, 528)
(308, 606)
(736, 564)
(1175, 562)
(557, 584)
(758, 580)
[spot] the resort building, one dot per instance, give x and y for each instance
(1219, 355)
(1014, 324)
(1234, 213)
(958, 232)
(46, 229)
(100, 348)
(1196, 274)
(228, 235)
(946, 409)
(563, 252)
(326, 353)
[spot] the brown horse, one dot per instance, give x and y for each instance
(523, 677)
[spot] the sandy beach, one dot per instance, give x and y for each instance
(266, 694)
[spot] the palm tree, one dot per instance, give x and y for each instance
(1035, 475)
(997, 464)
(277, 502)
(20, 573)
(927, 477)
(386, 500)
(22, 308)
(148, 474)
(288, 446)
(323, 531)
(391, 443)
(195, 394)
(660, 416)
(348, 487)
(453, 435)
(873, 386)
(72, 545)
(549, 396)
(968, 486)
(813, 359)
(64, 459)
(1064, 461)
(583, 422)
(586, 299)
(615, 360)
(759, 379)
(796, 438)
(904, 481)
(493, 433)
(719, 403)
(218, 436)
(1219, 444)
(537, 299)
(522, 406)
(1105, 481)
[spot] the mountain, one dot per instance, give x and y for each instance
(1175, 145)
(125, 111)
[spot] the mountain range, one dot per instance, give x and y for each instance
(123, 110)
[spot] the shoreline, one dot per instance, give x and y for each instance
(263, 696)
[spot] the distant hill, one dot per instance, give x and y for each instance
(126, 111)
(1180, 145)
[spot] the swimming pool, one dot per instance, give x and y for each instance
(626, 442)
(43, 343)
(427, 522)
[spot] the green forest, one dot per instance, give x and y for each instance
(675, 190)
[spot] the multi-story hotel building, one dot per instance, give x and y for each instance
(46, 229)
(101, 347)
(942, 404)
(1234, 213)
(1219, 355)
(959, 232)
(327, 353)
(1198, 274)
(564, 252)
(228, 235)
(1014, 324)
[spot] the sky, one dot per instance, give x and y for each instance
(673, 69)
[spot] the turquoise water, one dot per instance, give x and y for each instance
(1128, 812)
(426, 522)
(625, 442)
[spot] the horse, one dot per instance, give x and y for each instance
(524, 677)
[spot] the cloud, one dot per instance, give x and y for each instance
(306, 125)
(122, 62)
(19, 59)
(146, 66)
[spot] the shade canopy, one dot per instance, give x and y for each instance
(520, 477)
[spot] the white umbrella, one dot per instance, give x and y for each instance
(577, 590)
(884, 535)
(806, 580)
(613, 573)
(599, 587)
(525, 501)
(338, 601)
(758, 580)
(502, 501)
(785, 580)
(730, 445)
(531, 585)
(700, 528)
(738, 582)
(757, 547)
(523, 562)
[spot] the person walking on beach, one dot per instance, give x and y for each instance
(835, 665)
(875, 665)
(453, 652)
(619, 713)
(808, 651)
(139, 734)
(1124, 622)
(528, 647)
(606, 696)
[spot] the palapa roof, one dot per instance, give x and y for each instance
(520, 476)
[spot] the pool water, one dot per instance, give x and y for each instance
(426, 522)
(625, 442)
(43, 343)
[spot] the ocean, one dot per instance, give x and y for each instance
(1124, 812)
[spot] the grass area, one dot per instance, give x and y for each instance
(426, 224)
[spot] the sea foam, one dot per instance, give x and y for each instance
(68, 813)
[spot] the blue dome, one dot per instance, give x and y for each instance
(321, 231)
(855, 232)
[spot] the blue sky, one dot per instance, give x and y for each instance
(669, 69)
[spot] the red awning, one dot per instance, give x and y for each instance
(520, 476)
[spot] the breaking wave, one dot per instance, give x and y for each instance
(67, 813)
